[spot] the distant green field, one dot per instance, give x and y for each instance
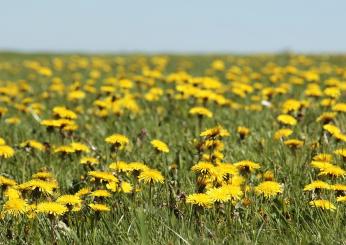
(172, 149)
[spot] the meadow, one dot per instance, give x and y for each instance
(172, 149)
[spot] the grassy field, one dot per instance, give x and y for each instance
(144, 149)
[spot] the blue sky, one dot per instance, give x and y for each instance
(173, 26)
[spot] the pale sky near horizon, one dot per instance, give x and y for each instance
(173, 26)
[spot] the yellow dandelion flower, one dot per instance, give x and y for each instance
(6, 151)
(52, 208)
(137, 166)
(338, 187)
(268, 175)
(321, 165)
(281, 133)
(287, 119)
(268, 188)
(82, 192)
(340, 152)
(112, 186)
(317, 184)
(118, 140)
(103, 176)
(334, 171)
(323, 204)
(323, 157)
(201, 111)
(332, 129)
(79, 147)
(341, 199)
(219, 195)
(63, 112)
(41, 185)
(243, 131)
(12, 121)
(294, 143)
(340, 107)
(12, 193)
(126, 187)
(200, 199)
(89, 161)
(2, 141)
(69, 200)
(64, 149)
(160, 146)
(215, 132)
(4, 181)
(326, 117)
(99, 207)
(33, 144)
(247, 165)
(237, 180)
(43, 175)
(151, 176)
(120, 166)
(15, 206)
(203, 168)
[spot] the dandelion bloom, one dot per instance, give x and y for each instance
(326, 117)
(6, 151)
(341, 199)
(294, 143)
(268, 188)
(125, 187)
(117, 140)
(243, 131)
(43, 175)
(12, 193)
(200, 199)
(15, 206)
(41, 185)
(201, 111)
(160, 146)
(281, 133)
(334, 171)
(225, 193)
(82, 192)
(52, 208)
(341, 152)
(120, 166)
(62, 112)
(100, 193)
(203, 168)
(4, 181)
(287, 119)
(103, 176)
(218, 131)
(332, 129)
(321, 165)
(338, 187)
(99, 207)
(137, 166)
(2, 141)
(340, 107)
(69, 200)
(89, 161)
(317, 184)
(247, 165)
(79, 147)
(33, 144)
(322, 157)
(323, 204)
(151, 176)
